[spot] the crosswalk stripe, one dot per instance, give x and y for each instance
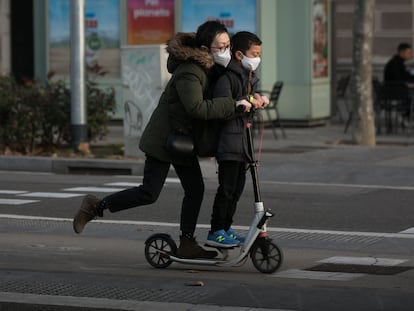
(124, 184)
(316, 275)
(408, 231)
(58, 195)
(171, 180)
(12, 191)
(93, 189)
(366, 261)
(16, 202)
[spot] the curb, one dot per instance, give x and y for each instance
(82, 166)
(72, 166)
(29, 302)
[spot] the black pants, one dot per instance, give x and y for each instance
(155, 173)
(232, 177)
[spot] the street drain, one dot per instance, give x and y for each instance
(371, 269)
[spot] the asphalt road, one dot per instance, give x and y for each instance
(337, 228)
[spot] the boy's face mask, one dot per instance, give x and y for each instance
(250, 63)
(222, 58)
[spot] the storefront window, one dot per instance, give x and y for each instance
(102, 36)
(236, 15)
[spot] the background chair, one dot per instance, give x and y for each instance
(341, 98)
(272, 109)
(395, 101)
(391, 99)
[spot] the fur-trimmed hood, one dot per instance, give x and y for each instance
(182, 48)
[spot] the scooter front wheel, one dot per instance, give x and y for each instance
(266, 256)
(158, 248)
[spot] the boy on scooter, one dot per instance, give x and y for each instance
(238, 81)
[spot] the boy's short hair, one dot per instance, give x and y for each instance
(403, 46)
(243, 40)
(207, 31)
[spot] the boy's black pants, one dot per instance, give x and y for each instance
(232, 177)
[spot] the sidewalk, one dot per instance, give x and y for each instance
(298, 141)
(327, 135)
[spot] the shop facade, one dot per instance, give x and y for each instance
(295, 35)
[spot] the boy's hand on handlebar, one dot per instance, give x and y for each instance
(243, 105)
(261, 102)
(256, 101)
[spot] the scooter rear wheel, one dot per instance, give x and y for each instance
(158, 247)
(266, 256)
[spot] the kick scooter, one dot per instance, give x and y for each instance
(266, 256)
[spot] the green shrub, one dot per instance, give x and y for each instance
(34, 116)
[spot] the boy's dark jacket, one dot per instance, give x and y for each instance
(232, 145)
(185, 97)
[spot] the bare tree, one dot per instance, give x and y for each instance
(363, 123)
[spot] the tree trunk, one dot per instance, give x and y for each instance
(363, 129)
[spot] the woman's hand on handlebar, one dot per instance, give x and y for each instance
(265, 100)
(243, 105)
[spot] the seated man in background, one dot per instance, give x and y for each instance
(399, 82)
(395, 70)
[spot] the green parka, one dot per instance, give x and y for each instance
(185, 98)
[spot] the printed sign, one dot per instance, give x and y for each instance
(320, 38)
(150, 21)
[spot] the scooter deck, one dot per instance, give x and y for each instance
(221, 247)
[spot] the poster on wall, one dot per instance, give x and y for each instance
(102, 36)
(236, 15)
(150, 21)
(320, 38)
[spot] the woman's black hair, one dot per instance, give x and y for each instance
(243, 40)
(208, 31)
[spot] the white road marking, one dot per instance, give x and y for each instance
(408, 231)
(16, 202)
(348, 233)
(94, 189)
(24, 217)
(58, 195)
(207, 226)
(316, 275)
(366, 261)
(11, 192)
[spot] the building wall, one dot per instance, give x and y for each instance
(393, 25)
(5, 60)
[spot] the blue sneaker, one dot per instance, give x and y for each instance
(235, 236)
(221, 239)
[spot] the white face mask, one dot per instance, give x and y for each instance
(222, 58)
(250, 63)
